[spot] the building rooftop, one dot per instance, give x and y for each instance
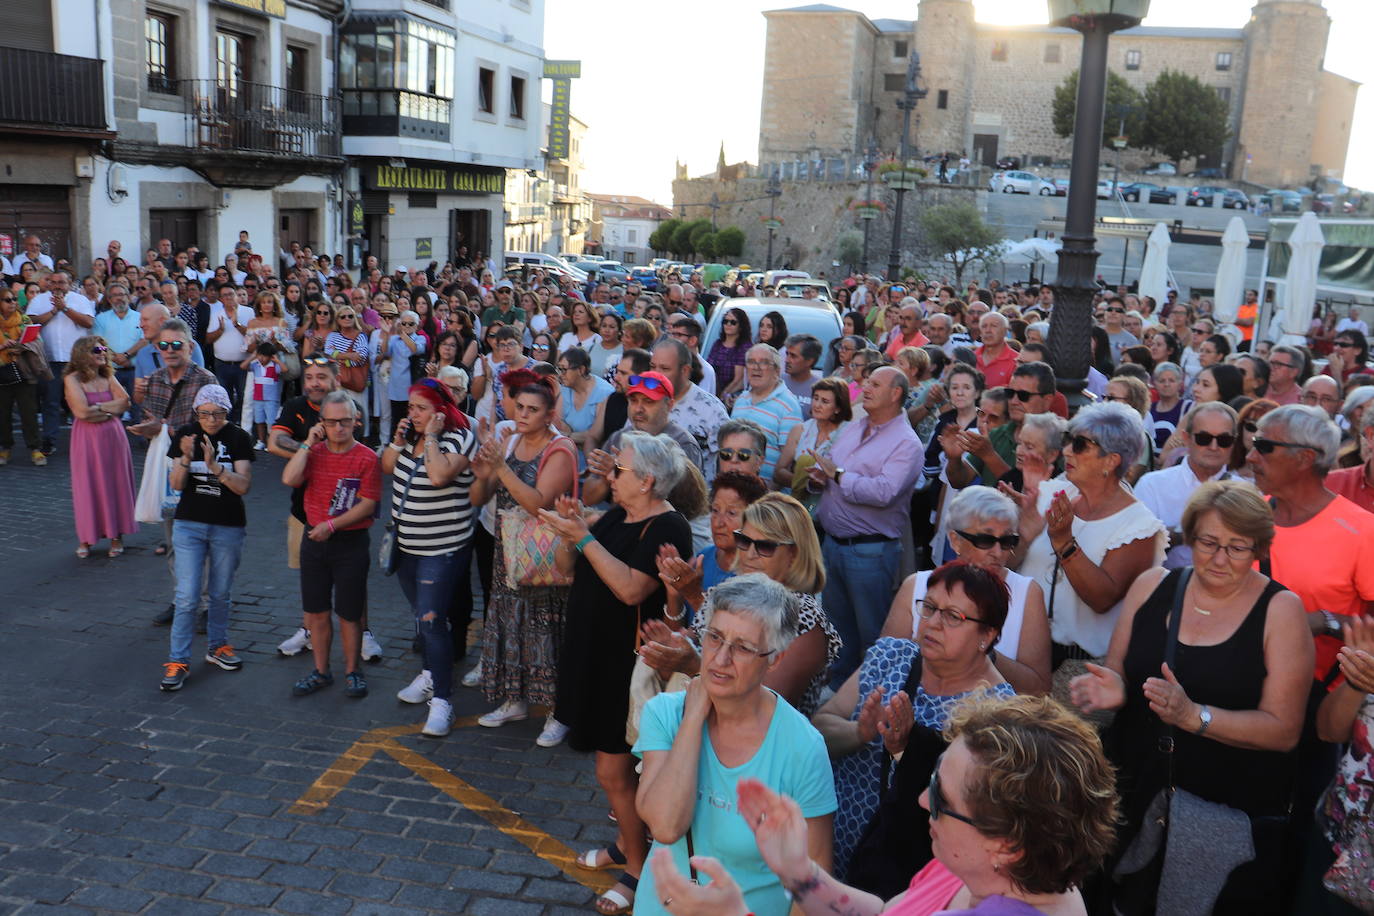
(893, 25)
(906, 25)
(630, 207)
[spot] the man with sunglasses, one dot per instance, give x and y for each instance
(1286, 366)
(147, 358)
(987, 458)
(1208, 430)
(865, 485)
(650, 397)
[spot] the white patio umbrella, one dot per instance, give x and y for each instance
(1230, 284)
(1154, 273)
(1300, 285)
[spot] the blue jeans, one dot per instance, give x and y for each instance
(50, 398)
(125, 377)
(232, 377)
(860, 581)
(427, 583)
(201, 547)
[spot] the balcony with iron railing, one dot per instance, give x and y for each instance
(51, 93)
(255, 119)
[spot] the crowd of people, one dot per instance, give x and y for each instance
(875, 619)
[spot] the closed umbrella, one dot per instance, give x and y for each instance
(1300, 285)
(1230, 285)
(1154, 273)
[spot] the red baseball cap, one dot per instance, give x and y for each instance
(653, 385)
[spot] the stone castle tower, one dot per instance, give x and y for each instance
(945, 39)
(1286, 47)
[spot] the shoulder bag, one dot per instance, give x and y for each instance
(353, 376)
(1351, 876)
(387, 554)
(1187, 846)
(645, 681)
(529, 544)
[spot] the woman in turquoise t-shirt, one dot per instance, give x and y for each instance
(726, 727)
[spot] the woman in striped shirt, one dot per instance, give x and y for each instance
(431, 453)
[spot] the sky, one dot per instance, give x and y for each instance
(658, 86)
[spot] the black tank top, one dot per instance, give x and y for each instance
(1229, 675)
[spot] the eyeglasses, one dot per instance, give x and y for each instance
(1212, 545)
(761, 546)
(1201, 330)
(1311, 399)
(1277, 365)
(737, 454)
(1080, 443)
(939, 806)
(212, 414)
(950, 617)
(170, 344)
(713, 641)
(408, 324)
(1022, 396)
(338, 424)
(619, 469)
(985, 541)
(1225, 440)
(1267, 446)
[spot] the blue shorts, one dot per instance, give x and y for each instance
(266, 411)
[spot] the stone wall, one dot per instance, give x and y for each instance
(814, 214)
(1331, 140)
(1281, 91)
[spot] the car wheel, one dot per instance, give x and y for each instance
(1133, 198)
(1008, 189)
(1045, 192)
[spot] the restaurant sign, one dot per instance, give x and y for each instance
(440, 178)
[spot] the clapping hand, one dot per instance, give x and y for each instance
(681, 576)
(1170, 702)
(1356, 657)
(1100, 689)
(566, 519)
(188, 447)
(869, 715)
(1059, 520)
(665, 649)
(896, 723)
(779, 830)
(211, 465)
(975, 443)
(682, 896)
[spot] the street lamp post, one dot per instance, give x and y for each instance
(870, 163)
(1070, 340)
(774, 191)
(911, 94)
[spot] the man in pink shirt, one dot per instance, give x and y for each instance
(909, 320)
(996, 360)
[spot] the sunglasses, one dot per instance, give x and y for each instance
(939, 806)
(7, 299)
(100, 349)
(318, 361)
(1225, 440)
(729, 321)
(985, 541)
(741, 454)
(1267, 446)
(1115, 309)
(1250, 426)
(761, 546)
(1200, 330)
(1346, 344)
(170, 344)
(1022, 396)
(644, 381)
(1080, 443)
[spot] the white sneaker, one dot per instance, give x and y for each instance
(259, 446)
(440, 718)
(473, 677)
(296, 643)
(509, 711)
(553, 734)
(419, 691)
(371, 650)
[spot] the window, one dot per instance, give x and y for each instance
(1132, 60)
(297, 68)
(1223, 60)
(517, 97)
(1052, 53)
(631, 236)
(397, 79)
(232, 59)
(942, 99)
(159, 32)
(894, 82)
(1224, 93)
(899, 48)
(1000, 50)
(486, 90)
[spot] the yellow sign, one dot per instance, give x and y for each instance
(450, 179)
(274, 8)
(560, 111)
(562, 69)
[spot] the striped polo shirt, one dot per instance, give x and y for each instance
(434, 520)
(777, 413)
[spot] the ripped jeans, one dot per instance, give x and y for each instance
(428, 583)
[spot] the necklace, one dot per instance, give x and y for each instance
(1202, 612)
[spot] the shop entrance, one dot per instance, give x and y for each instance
(471, 228)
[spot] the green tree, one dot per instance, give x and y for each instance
(661, 239)
(730, 242)
(1184, 118)
(849, 247)
(958, 235)
(682, 239)
(1122, 100)
(708, 245)
(699, 236)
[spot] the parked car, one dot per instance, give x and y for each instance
(540, 259)
(646, 277)
(1061, 187)
(610, 271)
(1231, 199)
(803, 316)
(1106, 189)
(1209, 172)
(1281, 201)
(1150, 193)
(1016, 182)
(1160, 168)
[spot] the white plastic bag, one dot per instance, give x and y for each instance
(155, 493)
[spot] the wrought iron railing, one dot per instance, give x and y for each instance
(240, 117)
(51, 90)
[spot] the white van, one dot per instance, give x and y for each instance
(540, 259)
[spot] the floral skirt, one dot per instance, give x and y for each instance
(521, 635)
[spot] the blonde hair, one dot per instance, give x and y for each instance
(82, 361)
(1137, 394)
(267, 294)
(915, 357)
(782, 518)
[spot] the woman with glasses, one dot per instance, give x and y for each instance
(728, 726)
(350, 347)
(1234, 698)
(446, 353)
(542, 347)
(1089, 537)
(906, 687)
(615, 590)
(102, 466)
(607, 349)
(584, 398)
(1349, 356)
(728, 352)
(1135, 394)
(1021, 807)
(316, 330)
(402, 346)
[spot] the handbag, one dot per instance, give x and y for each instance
(1201, 842)
(9, 374)
(353, 376)
(291, 365)
(391, 545)
(529, 544)
(1351, 876)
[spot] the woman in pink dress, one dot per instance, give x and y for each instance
(102, 467)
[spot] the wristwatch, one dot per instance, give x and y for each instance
(1205, 714)
(838, 472)
(1333, 624)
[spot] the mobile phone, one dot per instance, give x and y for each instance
(412, 434)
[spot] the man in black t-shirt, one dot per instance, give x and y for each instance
(319, 376)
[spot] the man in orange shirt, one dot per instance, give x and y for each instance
(1246, 318)
(909, 320)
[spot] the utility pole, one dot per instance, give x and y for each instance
(911, 94)
(1121, 111)
(714, 205)
(870, 163)
(774, 191)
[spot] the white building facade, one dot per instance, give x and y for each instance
(622, 226)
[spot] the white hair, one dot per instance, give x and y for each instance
(773, 353)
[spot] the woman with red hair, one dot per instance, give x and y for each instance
(429, 458)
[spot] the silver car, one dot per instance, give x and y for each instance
(803, 316)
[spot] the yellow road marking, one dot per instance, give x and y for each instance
(334, 779)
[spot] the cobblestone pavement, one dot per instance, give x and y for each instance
(116, 797)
